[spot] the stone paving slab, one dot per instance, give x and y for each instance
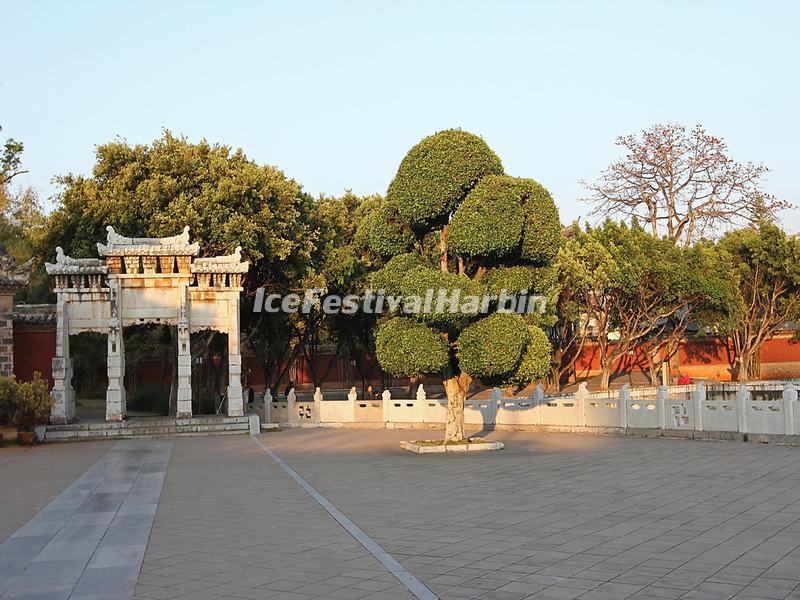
(89, 542)
(566, 516)
(31, 477)
(553, 516)
(232, 524)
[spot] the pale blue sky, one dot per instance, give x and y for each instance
(335, 93)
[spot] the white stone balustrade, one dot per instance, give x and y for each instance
(765, 410)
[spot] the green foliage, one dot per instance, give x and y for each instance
(10, 160)
(417, 281)
(493, 346)
(405, 347)
(488, 223)
(390, 276)
(515, 279)
(7, 389)
(533, 365)
(154, 190)
(28, 402)
(501, 234)
(384, 232)
(535, 362)
(21, 220)
(764, 263)
(541, 237)
(366, 214)
(438, 173)
(536, 281)
(227, 200)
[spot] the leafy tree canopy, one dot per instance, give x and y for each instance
(438, 173)
(407, 347)
(493, 346)
(154, 190)
(488, 223)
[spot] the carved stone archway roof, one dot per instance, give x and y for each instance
(118, 245)
(14, 276)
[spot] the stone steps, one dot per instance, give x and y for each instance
(149, 427)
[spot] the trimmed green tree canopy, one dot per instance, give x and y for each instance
(538, 280)
(488, 224)
(476, 231)
(493, 346)
(406, 347)
(389, 277)
(417, 282)
(541, 236)
(535, 361)
(384, 232)
(438, 173)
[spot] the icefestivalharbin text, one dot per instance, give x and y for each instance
(434, 301)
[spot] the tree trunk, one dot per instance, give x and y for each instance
(747, 369)
(605, 376)
(652, 373)
(555, 378)
(443, 263)
(413, 384)
(456, 387)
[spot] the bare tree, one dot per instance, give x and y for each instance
(682, 185)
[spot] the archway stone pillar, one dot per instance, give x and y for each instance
(235, 398)
(115, 393)
(63, 395)
(184, 394)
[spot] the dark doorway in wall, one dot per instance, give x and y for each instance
(150, 365)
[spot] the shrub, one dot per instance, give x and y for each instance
(438, 173)
(7, 389)
(31, 403)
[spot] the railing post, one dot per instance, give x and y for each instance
(789, 398)
(386, 398)
(291, 397)
(267, 405)
(624, 399)
(699, 404)
(538, 400)
(318, 405)
(662, 395)
(742, 396)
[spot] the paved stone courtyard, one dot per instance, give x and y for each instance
(554, 516)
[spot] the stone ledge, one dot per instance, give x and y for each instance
(150, 427)
(417, 448)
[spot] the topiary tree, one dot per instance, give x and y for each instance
(453, 223)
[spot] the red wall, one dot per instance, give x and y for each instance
(34, 351)
(705, 357)
(699, 357)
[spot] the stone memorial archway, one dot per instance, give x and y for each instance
(139, 281)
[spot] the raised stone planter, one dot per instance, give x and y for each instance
(474, 445)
